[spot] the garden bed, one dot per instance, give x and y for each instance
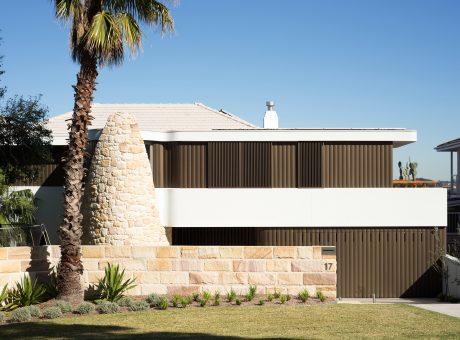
(142, 303)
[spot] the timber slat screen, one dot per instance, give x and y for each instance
(224, 165)
(309, 163)
(51, 174)
(390, 262)
(284, 165)
(359, 165)
(267, 165)
(255, 165)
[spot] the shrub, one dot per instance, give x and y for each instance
(186, 300)
(35, 311)
(4, 297)
(320, 296)
(270, 297)
(125, 301)
(163, 303)
(217, 299)
(107, 307)
(21, 315)
(303, 295)
(205, 298)
(153, 299)
(276, 294)
(231, 295)
(52, 312)
(196, 297)
(2, 317)
(27, 292)
(238, 302)
(84, 308)
(251, 293)
(288, 297)
(261, 302)
(283, 298)
(137, 306)
(64, 306)
(51, 284)
(113, 285)
(176, 300)
(453, 299)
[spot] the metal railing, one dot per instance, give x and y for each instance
(16, 235)
(453, 222)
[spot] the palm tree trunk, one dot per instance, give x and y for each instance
(70, 232)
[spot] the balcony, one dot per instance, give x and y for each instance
(328, 207)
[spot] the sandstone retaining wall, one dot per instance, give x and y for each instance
(188, 269)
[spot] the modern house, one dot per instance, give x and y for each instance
(453, 227)
(222, 181)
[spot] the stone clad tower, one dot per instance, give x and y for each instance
(119, 205)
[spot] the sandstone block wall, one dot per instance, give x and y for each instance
(188, 269)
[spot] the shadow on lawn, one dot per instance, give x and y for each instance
(52, 331)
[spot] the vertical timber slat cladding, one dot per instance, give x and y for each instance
(351, 165)
(160, 156)
(189, 165)
(51, 174)
(309, 158)
(223, 165)
(178, 165)
(284, 165)
(46, 175)
(255, 165)
(390, 262)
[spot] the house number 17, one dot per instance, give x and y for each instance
(328, 266)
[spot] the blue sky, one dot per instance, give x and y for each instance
(325, 63)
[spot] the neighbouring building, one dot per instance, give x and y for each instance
(222, 181)
(453, 225)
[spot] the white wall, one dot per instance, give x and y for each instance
(453, 272)
(50, 202)
(331, 207)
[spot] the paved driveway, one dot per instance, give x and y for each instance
(452, 309)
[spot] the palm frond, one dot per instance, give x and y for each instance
(104, 39)
(102, 28)
(67, 9)
(132, 33)
(145, 11)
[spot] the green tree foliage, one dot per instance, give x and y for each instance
(24, 139)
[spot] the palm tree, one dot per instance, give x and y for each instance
(100, 32)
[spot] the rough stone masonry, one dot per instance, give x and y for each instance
(119, 205)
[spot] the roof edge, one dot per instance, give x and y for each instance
(226, 114)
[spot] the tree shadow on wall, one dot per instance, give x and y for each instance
(76, 331)
(428, 285)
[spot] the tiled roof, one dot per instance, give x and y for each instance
(451, 145)
(158, 117)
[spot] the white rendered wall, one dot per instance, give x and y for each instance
(329, 207)
(50, 202)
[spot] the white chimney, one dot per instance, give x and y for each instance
(270, 117)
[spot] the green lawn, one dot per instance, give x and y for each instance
(319, 321)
